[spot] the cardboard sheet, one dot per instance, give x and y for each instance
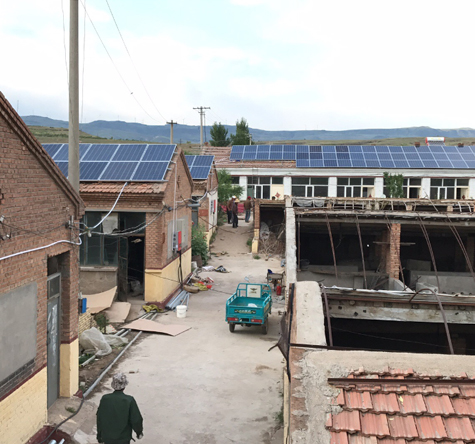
(100, 301)
(155, 327)
(118, 312)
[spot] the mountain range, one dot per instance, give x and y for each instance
(191, 134)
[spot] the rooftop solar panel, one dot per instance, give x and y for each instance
(150, 171)
(362, 156)
(200, 166)
(52, 148)
(117, 162)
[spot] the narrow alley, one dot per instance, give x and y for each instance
(207, 385)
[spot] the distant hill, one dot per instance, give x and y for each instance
(189, 133)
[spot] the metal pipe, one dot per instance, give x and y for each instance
(446, 325)
(327, 313)
(333, 247)
(93, 386)
(362, 252)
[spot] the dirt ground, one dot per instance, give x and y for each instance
(206, 385)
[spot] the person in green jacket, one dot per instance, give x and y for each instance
(118, 414)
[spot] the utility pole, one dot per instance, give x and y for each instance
(201, 110)
(250, 139)
(73, 166)
(171, 123)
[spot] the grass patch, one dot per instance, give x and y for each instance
(256, 256)
(70, 409)
(249, 242)
(279, 417)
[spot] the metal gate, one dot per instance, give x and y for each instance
(123, 278)
(53, 335)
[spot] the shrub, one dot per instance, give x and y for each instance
(199, 246)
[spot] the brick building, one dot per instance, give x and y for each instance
(133, 247)
(205, 193)
(39, 219)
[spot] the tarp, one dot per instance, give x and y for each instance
(155, 327)
(100, 301)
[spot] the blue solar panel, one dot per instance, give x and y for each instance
(62, 155)
(200, 173)
(361, 156)
(150, 171)
(129, 153)
(91, 170)
(99, 161)
(100, 152)
(204, 161)
(119, 171)
(63, 166)
(52, 148)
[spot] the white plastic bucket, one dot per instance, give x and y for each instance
(181, 311)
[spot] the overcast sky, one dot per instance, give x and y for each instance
(300, 64)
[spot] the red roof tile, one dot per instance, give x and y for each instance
(430, 427)
(358, 439)
(439, 405)
(412, 404)
(402, 427)
(346, 420)
(421, 409)
(358, 400)
(339, 438)
(464, 406)
(468, 391)
(385, 403)
(374, 424)
(459, 428)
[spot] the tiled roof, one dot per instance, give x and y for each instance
(403, 407)
(115, 187)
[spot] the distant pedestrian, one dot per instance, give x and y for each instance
(229, 209)
(118, 414)
(248, 207)
(235, 212)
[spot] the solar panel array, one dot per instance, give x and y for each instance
(116, 162)
(360, 156)
(199, 166)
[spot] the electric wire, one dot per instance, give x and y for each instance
(133, 64)
(114, 64)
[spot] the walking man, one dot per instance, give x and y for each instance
(235, 212)
(247, 207)
(229, 209)
(118, 414)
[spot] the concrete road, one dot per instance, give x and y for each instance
(208, 385)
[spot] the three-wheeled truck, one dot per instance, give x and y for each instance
(251, 304)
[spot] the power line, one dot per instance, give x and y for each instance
(133, 64)
(115, 66)
(201, 111)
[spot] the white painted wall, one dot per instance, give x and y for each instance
(332, 187)
(287, 186)
(242, 183)
(379, 187)
(425, 188)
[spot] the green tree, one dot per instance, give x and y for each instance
(226, 188)
(394, 184)
(242, 136)
(219, 135)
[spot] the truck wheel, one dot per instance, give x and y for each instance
(265, 327)
(231, 327)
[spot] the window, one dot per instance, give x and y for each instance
(235, 180)
(310, 186)
(355, 187)
(411, 188)
(101, 249)
(448, 188)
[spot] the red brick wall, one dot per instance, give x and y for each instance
(156, 233)
(35, 210)
(392, 250)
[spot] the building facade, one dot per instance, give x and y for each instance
(39, 281)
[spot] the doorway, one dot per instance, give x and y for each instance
(53, 336)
